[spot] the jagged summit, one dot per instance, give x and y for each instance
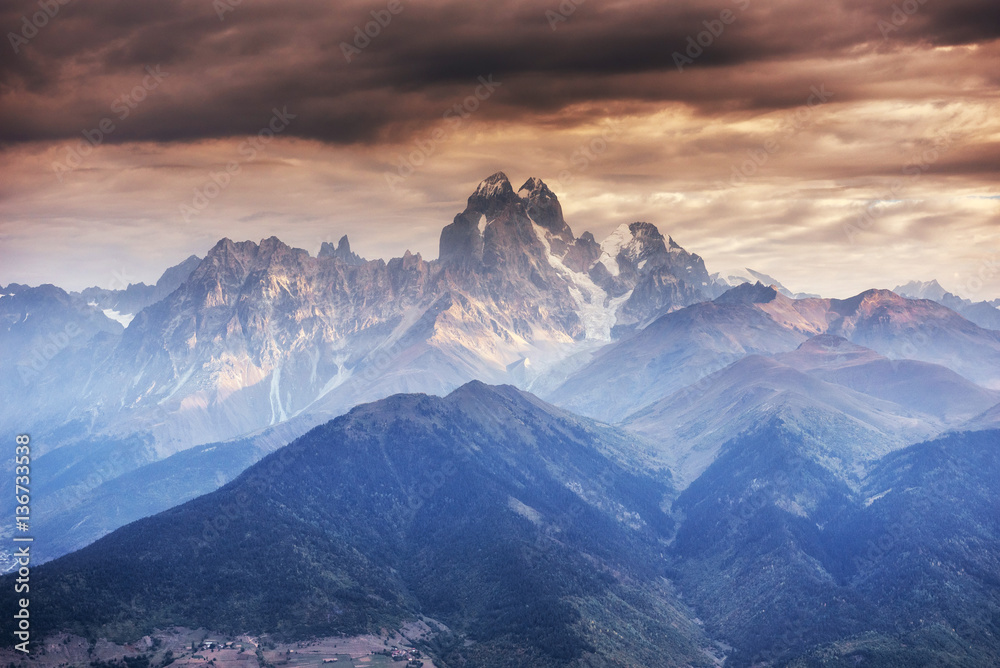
(922, 290)
(545, 211)
(727, 279)
(984, 313)
(758, 293)
(866, 301)
(493, 195)
(631, 244)
(494, 185)
(342, 251)
(533, 184)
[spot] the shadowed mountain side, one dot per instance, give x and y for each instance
(782, 560)
(531, 532)
(78, 515)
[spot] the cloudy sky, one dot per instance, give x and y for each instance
(837, 146)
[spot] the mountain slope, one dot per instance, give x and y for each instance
(924, 546)
(843, 430)
(524, 528)
(897, 328)
(255, 334)
(983, 313)
(928, 388)
(792, 568)
(72, 514)
(673, 352)
(50, 344)
(125, 303)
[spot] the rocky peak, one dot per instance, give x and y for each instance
(544, 209)
(493, 196)
(217, 280)
(461, 242)
(757, 293)
(493, 230)
(494, 185)
(866, 302)
(648, 238)
(342, 252)
(630, 245)
(272, 250)
(922, 290)
(582, 255)
(227, 255)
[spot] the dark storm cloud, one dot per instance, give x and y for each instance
(226, 75)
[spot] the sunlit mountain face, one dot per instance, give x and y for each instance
(506, 334)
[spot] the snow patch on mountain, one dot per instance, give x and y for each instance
(922, 290)
(596, 311)
(870, 500)
(616, 242)
(180, 383)
(277, 410)
(493, 186)
(123, 318)
(532, 184)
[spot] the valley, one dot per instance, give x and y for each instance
(187, 647)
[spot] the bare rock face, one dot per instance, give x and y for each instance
(543, 208)
(583, 254)
(492, 196)
(342, 251)
(461, 242)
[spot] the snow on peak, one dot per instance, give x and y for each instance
(495, 185)
(634, 244)
(532, 185)
(921, 290)
(617, 242)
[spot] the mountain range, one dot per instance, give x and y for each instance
(983, 313)
(538, 538)
(562, 452)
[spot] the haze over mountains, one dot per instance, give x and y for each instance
(754, 428)
(983, 313)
